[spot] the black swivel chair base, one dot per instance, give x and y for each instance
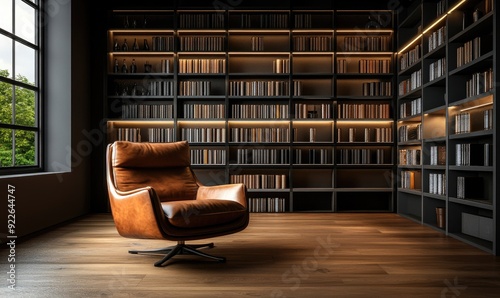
(180, 249)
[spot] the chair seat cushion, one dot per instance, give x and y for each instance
(202, 213)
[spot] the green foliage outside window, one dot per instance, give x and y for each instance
(24, 150)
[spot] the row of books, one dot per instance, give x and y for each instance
(260, 111)
(281, 66)
(266, 205)
(264, 21)
(257, 43)
(203, 135)
(194, 88)
(366, 66)
(410, 108)
(469, 51)
(161, 44)
(204, 111)
(131, 134)
(462, 123)
(437, 184)
(410, 157)
(437, 155)
(208, 156)
(410, 84)
(479, 83)
(313, 156)
(411, 57)
(473, 154)
(488, 119)
(436, 38)
(215, 20)
(410, 179)
(364, 111)
(366, 135)
(312, 43)
(160, 135)
(261, 181)
(161, 88)
(262, 88)
(437, 69)
(202, 65)
(260, 135)
(312, 111)
(366, 44)
(148, 111)
(410, 132)
(377, 89)
(303, 20)
(362, 156)
(470, 188)
(374, 66)
(202, 43)
(262, 156)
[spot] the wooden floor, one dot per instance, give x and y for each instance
(278, 255)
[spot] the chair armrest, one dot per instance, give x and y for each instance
(137, 213)
(234, 192)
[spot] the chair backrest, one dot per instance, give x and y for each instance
(163, 166)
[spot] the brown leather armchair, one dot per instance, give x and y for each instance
(154, 194)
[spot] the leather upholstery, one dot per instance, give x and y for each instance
(154, 194)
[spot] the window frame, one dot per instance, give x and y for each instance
(37, 128)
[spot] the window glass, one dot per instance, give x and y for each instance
(25, 21)
(6, 15)
(25, 107)
(25, 64)
(19, 87)
(6, 146)
(5, 56)
(5, 102)
(25, 154)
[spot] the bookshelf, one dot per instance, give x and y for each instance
(296, 101)
(447, 63)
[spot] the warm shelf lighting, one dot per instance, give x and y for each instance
(456, 6)
(312, 30)
(312, 120)
(252, 31)
(125, 123)
(362, 122)
(365, 53)
(412, 42)
(259, 53)
(141, 31)
(435, 23)
(431, 26)
(263, 121)
(365, 31)
(192, 121)
(476, 107)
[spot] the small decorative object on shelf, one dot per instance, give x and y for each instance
(125, 45)
(148, 67)
(124, 66)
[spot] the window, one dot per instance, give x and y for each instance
(20, 93)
